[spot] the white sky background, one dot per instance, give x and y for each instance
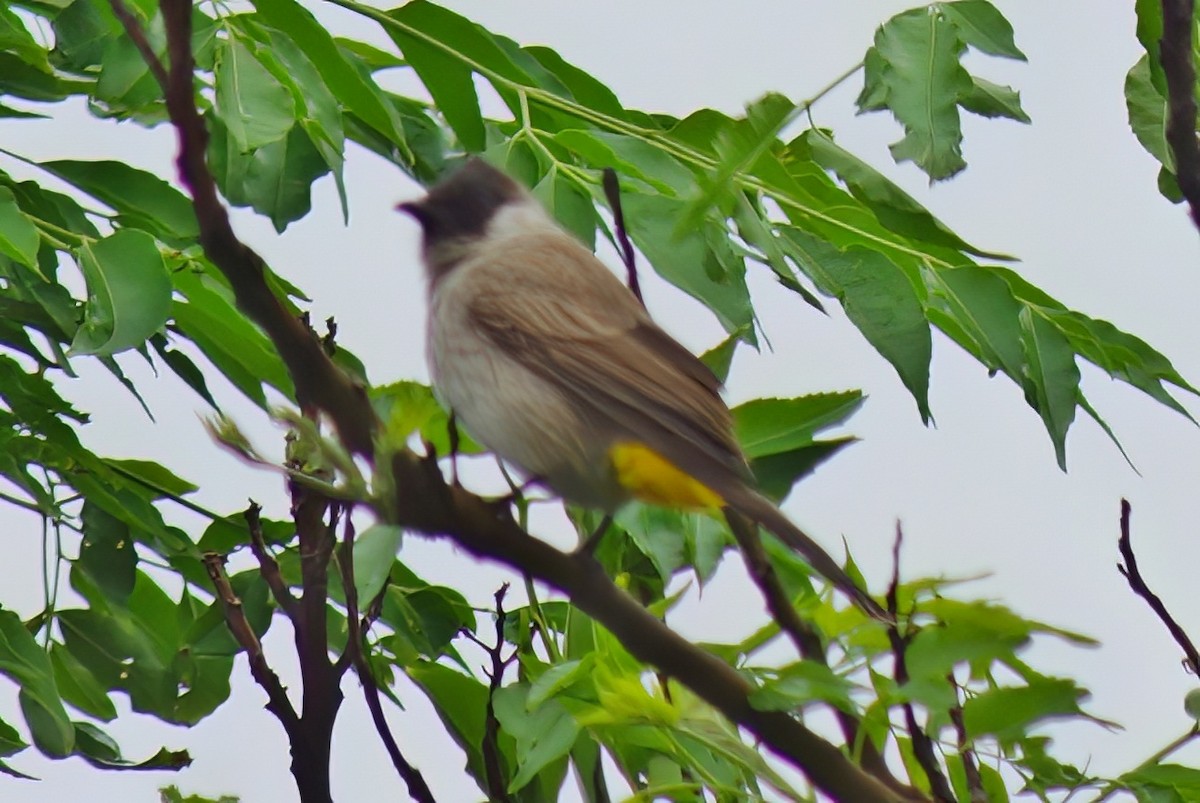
(1073, 196)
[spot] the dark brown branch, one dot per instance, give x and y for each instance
(497, 783)
(965, 750)
(805, 638)
(1134, 577)
(1179, 67)
(137, 35)
(355, 642)
(923, 748)
(268, 566)
(318, 381)
(612, 190)
(235, 619)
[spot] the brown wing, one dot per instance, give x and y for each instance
(563, 315)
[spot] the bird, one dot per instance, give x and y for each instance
(546, 358)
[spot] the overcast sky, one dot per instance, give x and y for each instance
(1073, 195)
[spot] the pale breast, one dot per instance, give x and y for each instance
(507, 407)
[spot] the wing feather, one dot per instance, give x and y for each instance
(564, 316)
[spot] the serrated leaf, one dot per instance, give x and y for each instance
(19, 238)
(356, 90)
(691, 262)
(894, 208)
(129, 293)
(924, 81)
(1053, 378)
(255, 107)
(983, 27)
(1009, 712)
(142, 200)
(772, 426)
(880, 300)
(542, 735)
(210, 319)
(800, 684)
(994, 100)
(275, 180)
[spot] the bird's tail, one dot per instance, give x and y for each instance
(758, 508)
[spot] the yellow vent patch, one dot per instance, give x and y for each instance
(650, 477)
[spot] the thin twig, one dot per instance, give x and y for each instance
(1130, 570)
(235, 618)
(922, 745)
(806, 639)
(965, 751)
(1179, 68)
(612, 190)
(355, 647)
(268, 566)
(133, 26)
(497, 785)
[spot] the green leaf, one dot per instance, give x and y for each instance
(983, 27)
(993, 100)
(460, 702)
(1147, 109)
(242, 353)
(355, 89)
(374, 551)
(1053, 378)
(101, 751)
(275, 180)
(774, 426)
(27, 664)
(880, 300)
(129, 293)
(564, 200)
(10, 741)
(1010, 712)
(701, 266)
(183, 367)
(142, 200)
(446, 77)
(543, 734)
(107, 553)
(157, 479)
(976, 307)
(19, 238)
(894, 208)
(79, 686)
(800, 684)
(924, 82)
(630, 157)
(256, 108)
(15, 38)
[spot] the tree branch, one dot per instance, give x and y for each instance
(1130, 571)
(235, 619)
(922, 745)
(805, 638)
(612, 190)
(268, 566)
(417, 788)
(318, 381)
(425, 503)
(1179, 67)
(497, 783)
